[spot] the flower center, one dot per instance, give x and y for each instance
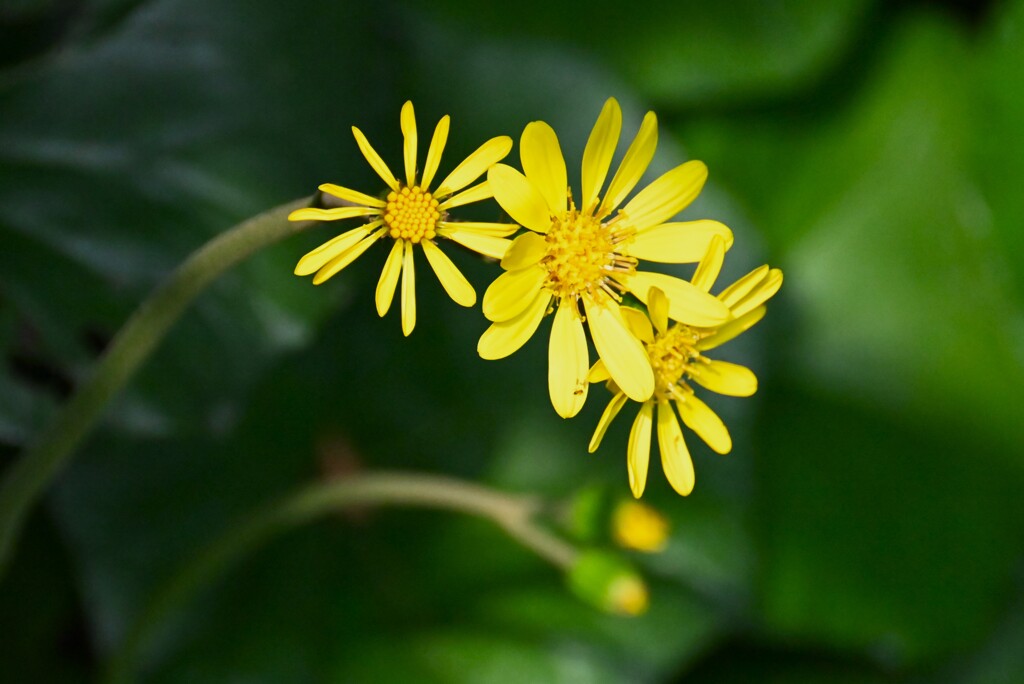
(412, 214)
(673, 353)
(581, 257)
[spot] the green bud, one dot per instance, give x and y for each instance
(608, 582)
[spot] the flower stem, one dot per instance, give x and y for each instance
(514, 514)
(28, 477)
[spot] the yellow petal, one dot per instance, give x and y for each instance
(544, 165)
(610, 411)
(764, 291)
(657, 308)
(675, 457)
(389, 278)
(526, 250)
(597, 156)
(512, 292)
(598, 372)
(622, 353)
(375, 161)
(454, 283)
(502, 339)
(339, 262)
(313, 261)
(475, 165)
(488, 245)
(687, 303)
(667, 196)
(699, 417)
(478, 192)
(495, 229)
(638, 453)
(408, 291)
(732, 329)
(711, 265)
(725, 378)
(744, 286)
(409, 134)
(633, 165)
(352, 195)
(637, 323)
(519, 198)
(568, 361)
(437, 144)
(314, 214)
(685, 242)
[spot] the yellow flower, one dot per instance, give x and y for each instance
(411, 214)
(675, 357)
(573, 256)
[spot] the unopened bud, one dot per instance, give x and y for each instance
(639, 527)
(609, 583)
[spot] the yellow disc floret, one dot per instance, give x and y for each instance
(412, 214)
(581, 256)
(673, 353)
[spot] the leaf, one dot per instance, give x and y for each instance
(865, 521)
(684, 54)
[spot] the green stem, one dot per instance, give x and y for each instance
(29, 476)
(514, 514)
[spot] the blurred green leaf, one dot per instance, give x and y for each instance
(130, 151)
(38, 611)
(1001, 658)
(878, 536)
(890, 454)
(883, 232)
(681, 53)
(997, 105)
(472, 655)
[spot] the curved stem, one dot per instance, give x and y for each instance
(512, 513)
(132, 345)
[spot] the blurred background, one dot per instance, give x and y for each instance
(868, 526)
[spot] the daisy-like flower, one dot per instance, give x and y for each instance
(572, 256)
(411, 214)
(675, 357)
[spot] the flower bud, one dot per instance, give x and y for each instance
(609, 583)
(639, 527)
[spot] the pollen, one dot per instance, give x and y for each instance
(582, 259)
(673, 356)
(412, 214)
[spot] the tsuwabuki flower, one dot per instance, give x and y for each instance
(675, 356)
(573, 256)
(411, 214)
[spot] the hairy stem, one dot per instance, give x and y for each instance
(514, 514)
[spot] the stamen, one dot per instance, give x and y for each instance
(674, 359)
(606, 287)
(581, 258)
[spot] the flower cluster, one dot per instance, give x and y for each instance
(582, 259)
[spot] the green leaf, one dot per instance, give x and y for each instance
(681, 54)
(890, 449)
(866, 525)
(883, 230)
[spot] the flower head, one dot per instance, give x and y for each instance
(587, 256)
(411, 214)
(675, 355)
